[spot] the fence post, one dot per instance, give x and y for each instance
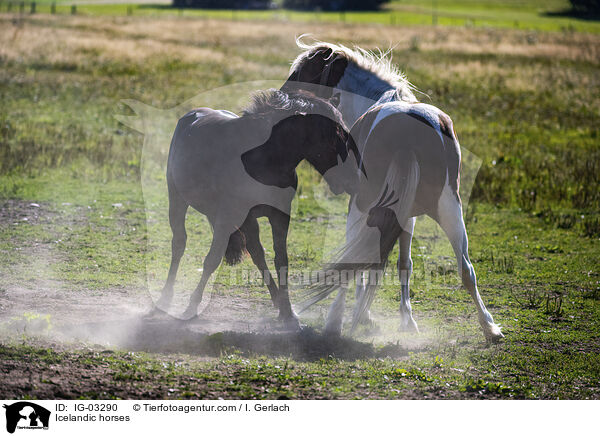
(9, 7)
(32, 10)
(21, 7)
(53, 8)
(343, 16)
(73, 9)
(434, 14)
(129, 10)
(393, 19)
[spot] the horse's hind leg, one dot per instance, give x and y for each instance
(451, 220)
(177, 210)
(211, 263)
(362, 278)
(405, 267)
(280, 223)
(251, 230)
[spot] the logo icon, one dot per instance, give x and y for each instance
(26, 415)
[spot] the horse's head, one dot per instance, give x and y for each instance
(329, 147)
(358, 78)
(313, 129)
(333, 153)
(320, 65)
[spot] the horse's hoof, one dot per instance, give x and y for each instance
(366, 320)
(189, 314)
(332, 332)
(493, 335)
(409, 327)
(154, 311)
(292, 324)
(164, 302)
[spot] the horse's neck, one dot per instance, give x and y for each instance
(363, 89)
(363, 82)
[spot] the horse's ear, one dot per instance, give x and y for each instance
(324, 52)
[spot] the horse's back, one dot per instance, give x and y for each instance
(205, 163)
(199, 143)
(410, 129)
(198, 132)
(203, 119)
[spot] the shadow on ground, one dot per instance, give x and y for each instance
(167, 335)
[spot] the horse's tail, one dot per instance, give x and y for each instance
(236, 248)
(371, 238)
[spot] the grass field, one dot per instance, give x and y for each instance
(555, 15)
(76, 241)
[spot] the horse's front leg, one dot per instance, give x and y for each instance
(177, 210)
(405, 268)
(211, 263)
(280, 223)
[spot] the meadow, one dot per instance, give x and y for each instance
(553, 15)
(77, 238)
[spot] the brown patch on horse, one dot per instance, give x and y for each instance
(321, 67)
(446, 126)
(452, 153)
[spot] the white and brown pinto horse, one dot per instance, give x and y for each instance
(412, 159)
(236, 169)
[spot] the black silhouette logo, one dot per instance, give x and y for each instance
(26, 415)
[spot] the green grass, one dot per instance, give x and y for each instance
(551, 16)
(527, 112)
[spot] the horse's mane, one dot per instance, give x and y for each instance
(379, 63)
(265, 103)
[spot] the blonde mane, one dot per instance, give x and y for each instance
(380, 64)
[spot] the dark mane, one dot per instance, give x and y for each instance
(274, 101)
(264, 102)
